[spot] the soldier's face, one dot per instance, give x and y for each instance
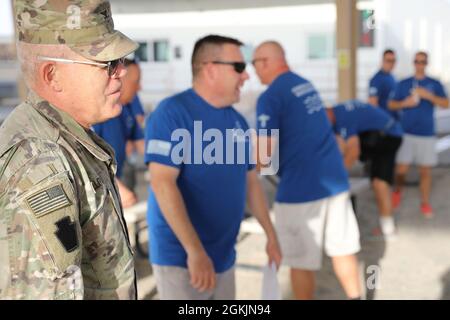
(92, 95)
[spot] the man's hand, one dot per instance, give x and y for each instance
(201, 271)
(425, 94)
(273, 251)
(126, 195)
(410, 102)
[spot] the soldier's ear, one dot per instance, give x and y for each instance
(49, 75)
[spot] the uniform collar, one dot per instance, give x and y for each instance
(64, 122)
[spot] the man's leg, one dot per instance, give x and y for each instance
(383, 196)
(401, 171)
(300, 230)
(405, 157)
(347, 271)
(342, 243)
(173, 283)
(382, 177)
(303, 284)
(425, 184)
(226, 286)
(426, 160)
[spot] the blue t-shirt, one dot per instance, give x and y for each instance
(117, 131)
(136, 107)
(381, 86)
(354, 117)
(418, 120)
(212, 178)
(311, 166)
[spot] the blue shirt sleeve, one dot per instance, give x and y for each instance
(137, 133)
(374, 87)
(267, 114)
(158, 137)
(136, 106)
(400, 92)
(440, 91)
(345, 131)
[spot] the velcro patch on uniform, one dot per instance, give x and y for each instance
(159, 147)
(67, 234)
(48, 201)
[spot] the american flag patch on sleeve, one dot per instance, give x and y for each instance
(48, 200)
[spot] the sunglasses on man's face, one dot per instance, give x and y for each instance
(422, 62)
(112, 66)
(239, 67)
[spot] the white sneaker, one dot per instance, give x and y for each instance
(387, 225)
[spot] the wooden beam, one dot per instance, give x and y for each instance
(346, 46)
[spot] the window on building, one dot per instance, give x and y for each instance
(247, 52)
(141, 53)
(161, 51)
(321, 46)
(157, 50)
(178, 52)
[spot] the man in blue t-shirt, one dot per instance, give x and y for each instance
(370, 132)
(383, 84)
(124, 129)
(416, 97)
(312, 210)
(200, 162)
(138, 110)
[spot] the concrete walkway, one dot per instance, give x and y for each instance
(414, 265)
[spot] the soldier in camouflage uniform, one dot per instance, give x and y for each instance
(62, 231)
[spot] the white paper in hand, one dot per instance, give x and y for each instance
(270, 286)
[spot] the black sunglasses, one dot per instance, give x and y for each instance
(113, 65)
(239, 67)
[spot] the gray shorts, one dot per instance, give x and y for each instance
(417, 150)
(173, 283)
(306, 230)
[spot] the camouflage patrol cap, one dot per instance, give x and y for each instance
(85, 26)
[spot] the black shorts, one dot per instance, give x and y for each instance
(380, 150)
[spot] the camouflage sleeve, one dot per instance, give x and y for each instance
(40, 233)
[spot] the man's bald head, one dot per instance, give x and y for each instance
(269, 60)
(271, 49)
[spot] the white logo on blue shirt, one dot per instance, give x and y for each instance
(302, 89)
(159, 147)
(313, 104)
(263, 119)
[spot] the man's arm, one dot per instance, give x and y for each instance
(264, 149)
(138, 145)
(434, 99)
(140, 118)
(126, 195)
(40, 240)
(409, 102)
(373, 101)
(351, 151)
(170, 201)
(258, 206)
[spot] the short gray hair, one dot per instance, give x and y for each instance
(27, 55)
